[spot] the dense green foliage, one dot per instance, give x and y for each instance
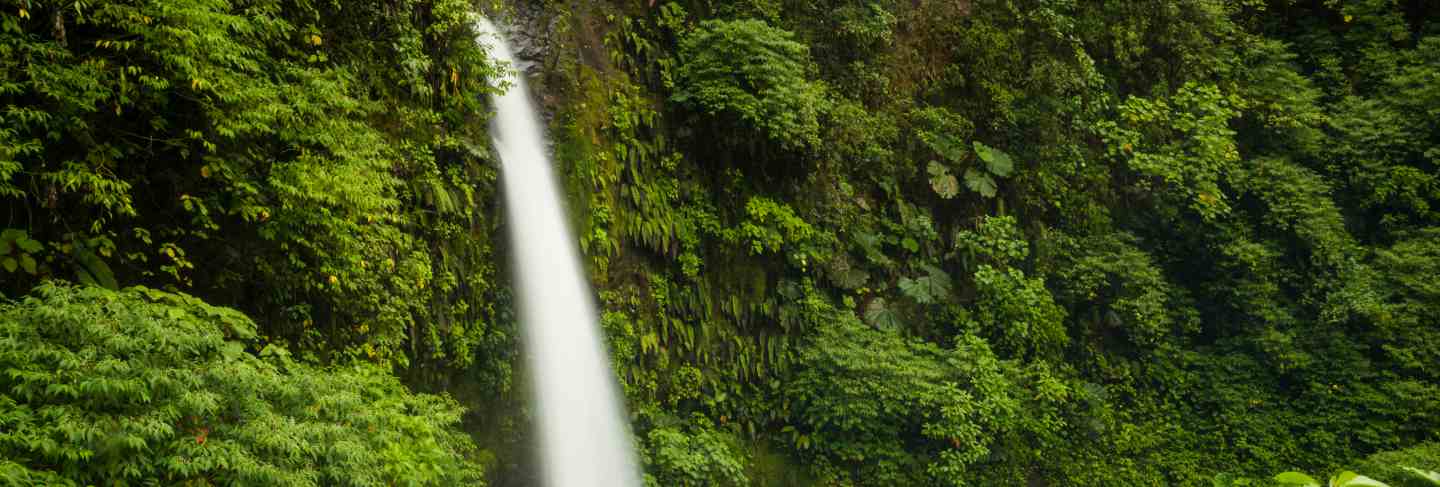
(752, 72)
(114, 388)
(1038, 242)
(311, 163)
(835, 242)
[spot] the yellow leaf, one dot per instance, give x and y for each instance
(1349, 18)
(204, 171)
(334, 280)
(315, 39)
(24, 14)
(454, 76)
(194, 84)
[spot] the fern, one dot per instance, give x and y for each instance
(144, 386)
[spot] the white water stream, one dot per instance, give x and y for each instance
(584, 437)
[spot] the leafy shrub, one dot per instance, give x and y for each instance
(754, 72)
(693, 456)
(144, 386)
(1017, 312)
(960, 409)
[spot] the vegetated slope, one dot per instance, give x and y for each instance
(1009, 242)
(929, 242)
(146, 387)
(320, 166)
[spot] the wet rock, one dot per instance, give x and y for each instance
(532, 33)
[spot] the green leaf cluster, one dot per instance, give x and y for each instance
(144, 386)
(753, 73)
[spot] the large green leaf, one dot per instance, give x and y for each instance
(942, 181)
(1296, 479)
(910, 244)
(92, 270)
(1352, 479)
(997, 161)
(948, 147)
(914, 290)
(1432, 476)
(935, 168)
(980, 182)
(881, 316)
(29, 245)
(930, 288)
(20, 239)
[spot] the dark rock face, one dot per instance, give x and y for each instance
(532, 32)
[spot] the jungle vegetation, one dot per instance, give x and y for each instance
(834, 242)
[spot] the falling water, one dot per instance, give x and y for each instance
(584, 440)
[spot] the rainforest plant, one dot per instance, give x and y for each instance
(140, 385)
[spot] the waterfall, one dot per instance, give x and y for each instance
(584, 438)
